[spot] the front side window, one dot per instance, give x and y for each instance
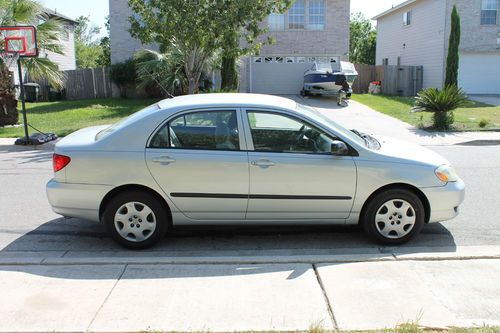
(296, 15)
(316, 15)
(272, 132)
(407, 18)
(210, 130)
(276, 22)
(489, 12)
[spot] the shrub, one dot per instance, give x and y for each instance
(123, 74)
(484, 122)
(441, 103)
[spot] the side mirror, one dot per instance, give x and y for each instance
(339, 148)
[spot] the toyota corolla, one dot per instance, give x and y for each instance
(221, 159)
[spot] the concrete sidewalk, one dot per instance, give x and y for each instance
(249, 297)
(361, 117)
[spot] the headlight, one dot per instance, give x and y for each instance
(446, 174)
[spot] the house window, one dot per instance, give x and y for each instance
(385, 61)
(489, 12)
(316, 15)
(276, 22)
(407, 18)
(296, 15)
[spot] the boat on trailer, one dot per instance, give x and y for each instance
(331, 79)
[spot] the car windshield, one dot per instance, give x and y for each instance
(311, 112)
(126, 121)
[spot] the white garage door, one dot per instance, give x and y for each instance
(281, 75)
(479, 73)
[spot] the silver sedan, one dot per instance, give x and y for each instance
(220, 159)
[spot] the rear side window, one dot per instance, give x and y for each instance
(207, 130)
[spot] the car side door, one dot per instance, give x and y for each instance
(293, 174)
(200, 161)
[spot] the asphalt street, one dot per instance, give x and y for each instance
(27, 224)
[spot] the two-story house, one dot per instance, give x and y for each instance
(417, 32)
(311, 30)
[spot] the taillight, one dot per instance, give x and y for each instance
(60, 161)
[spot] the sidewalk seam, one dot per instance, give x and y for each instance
(106, 298)
(325, 296)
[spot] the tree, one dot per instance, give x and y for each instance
(189, 26)
(49, 31)
(454, 43)
(91, 52)
(197, 30)
(243, 22)
(362, 40)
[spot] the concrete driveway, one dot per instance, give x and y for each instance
(364, 119)
(488, 99)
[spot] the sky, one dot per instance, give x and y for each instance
(99, 9)
(96, 9)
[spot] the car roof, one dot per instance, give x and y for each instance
(227, 100)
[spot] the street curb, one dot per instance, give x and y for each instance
(462, 253)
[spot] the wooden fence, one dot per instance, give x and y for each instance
(81, 84)
(396, 80)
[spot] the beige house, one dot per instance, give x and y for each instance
(417, 31)
(311, 30)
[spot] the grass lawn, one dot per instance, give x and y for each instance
(65, 117)
(466, 119)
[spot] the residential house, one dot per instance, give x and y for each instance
(311, 30)
(417, 33)
(67, 60)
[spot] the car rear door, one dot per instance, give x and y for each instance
(199, 160)
(295, 178)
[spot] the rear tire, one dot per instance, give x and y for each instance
(135, 219)
(394, 217)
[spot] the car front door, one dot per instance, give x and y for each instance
(199, 160)
(293, 174)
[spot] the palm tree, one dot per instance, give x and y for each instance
(49, 31)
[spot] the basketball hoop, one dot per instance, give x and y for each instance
(18, 42)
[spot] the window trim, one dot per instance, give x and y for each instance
(239, 119)
(305, 15)
(407, 18)
(325, 4)
(269, 22)
(249, 139)
(489, 10)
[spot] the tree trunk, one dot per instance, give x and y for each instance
(229, 74)
(8, 103)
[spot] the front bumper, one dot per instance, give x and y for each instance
(444, 201)
(76, 200)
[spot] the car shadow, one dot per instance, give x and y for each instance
(70, 240)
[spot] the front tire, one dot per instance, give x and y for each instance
(135, 220)
(394, 217)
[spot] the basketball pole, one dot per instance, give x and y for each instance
(23, 102)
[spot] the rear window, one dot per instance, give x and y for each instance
(126, 121)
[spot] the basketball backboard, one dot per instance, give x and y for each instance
(19, 40)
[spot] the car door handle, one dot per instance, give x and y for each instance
(165, 160)
(263, 163)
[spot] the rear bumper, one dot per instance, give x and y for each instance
(76, 200)
(444, 201)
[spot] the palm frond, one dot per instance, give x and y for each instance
(39, 68)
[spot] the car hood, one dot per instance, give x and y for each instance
(407, 152)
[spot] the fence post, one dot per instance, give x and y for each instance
(104, 82)
(93, 83)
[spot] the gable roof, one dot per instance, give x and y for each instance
(54, 13)
(393, 9)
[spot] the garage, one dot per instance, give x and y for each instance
(281, 75)
(479, 73)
